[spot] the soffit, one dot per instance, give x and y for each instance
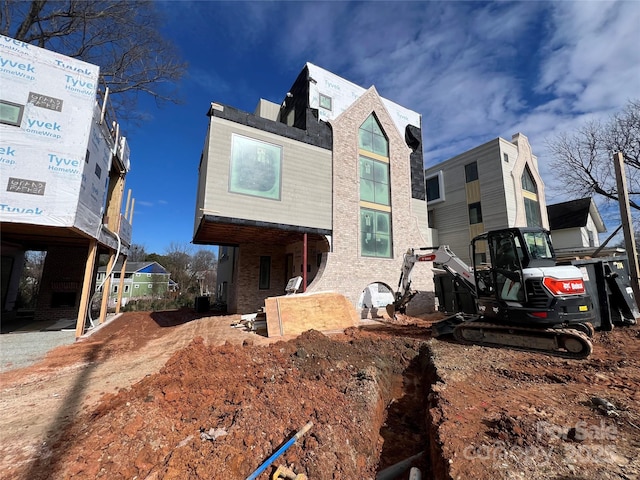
(216, 231)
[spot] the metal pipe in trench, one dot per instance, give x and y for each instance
(394, 471)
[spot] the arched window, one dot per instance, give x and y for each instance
(375, 191)
(530, 194)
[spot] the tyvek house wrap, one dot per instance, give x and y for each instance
(340, 95)
(50, 172)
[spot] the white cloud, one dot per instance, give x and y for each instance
(592, 59)
(474, 71)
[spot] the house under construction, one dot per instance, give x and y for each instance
(328, 186)
(63, 164)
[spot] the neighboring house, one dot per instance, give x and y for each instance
(141, 280)
(575, 224)
(492, 186)
(327, 185)
(63, 165)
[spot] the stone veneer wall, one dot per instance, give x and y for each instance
(346, 271)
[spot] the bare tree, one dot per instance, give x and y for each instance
(204, 265)
(195, 273)
(137, 253)
(177, 261)
(121, 37)
(30, 278)
(584, 159)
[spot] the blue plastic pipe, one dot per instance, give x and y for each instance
(279, 452)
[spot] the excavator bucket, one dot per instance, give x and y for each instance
(391, 310)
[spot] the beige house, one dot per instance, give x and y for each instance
(492, 186)
(328, 186)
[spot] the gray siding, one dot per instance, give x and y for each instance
(500, 186)
(306, 186)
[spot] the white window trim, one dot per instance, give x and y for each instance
(440, 176)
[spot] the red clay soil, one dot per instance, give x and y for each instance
(169, 395)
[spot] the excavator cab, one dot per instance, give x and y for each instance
(518, 280)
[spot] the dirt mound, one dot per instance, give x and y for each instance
(170, 395)
(503, 414)
(220, 411)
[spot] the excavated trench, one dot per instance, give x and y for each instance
(368, 395)
(407, 431)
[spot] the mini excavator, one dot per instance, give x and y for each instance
(523, 298)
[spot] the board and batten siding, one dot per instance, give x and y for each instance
(306, 180)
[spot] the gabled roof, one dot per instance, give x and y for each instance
(137, 267)
(574, 214)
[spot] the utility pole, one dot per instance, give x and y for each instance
(625, 216)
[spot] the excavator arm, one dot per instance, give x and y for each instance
(441, 256)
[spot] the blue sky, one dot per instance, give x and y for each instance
(473, 70)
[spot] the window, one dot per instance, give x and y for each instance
(475, 213)
(538, 244)
(375, 230)
(372, 139)
(471, 172)
(115, 289)
(532, 209)
(11, 113)
(325, 101)
(528, 183)
(431, 218)
(255, 168)
(531, 204)
(126, 289)
(375, 191)
(374, 181)
(265, 273)
(505, 157)
(435, 187)
(136, 286)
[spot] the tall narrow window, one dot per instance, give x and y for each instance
(374, 181)
(531, 204)
(471, 172)
(435, 187)
(475, 213)
(265, 273)
(375, 191)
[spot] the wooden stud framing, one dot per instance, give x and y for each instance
(86, 287)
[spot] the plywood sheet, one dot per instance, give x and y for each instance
(294, 314)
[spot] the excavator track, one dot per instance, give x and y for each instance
(560, 342)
